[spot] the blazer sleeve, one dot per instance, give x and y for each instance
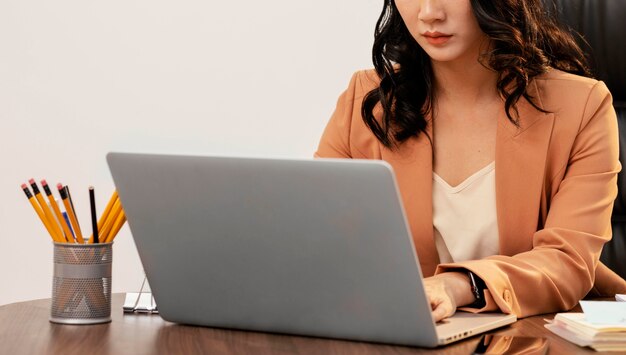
(559, 269)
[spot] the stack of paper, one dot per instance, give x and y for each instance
(602, 326)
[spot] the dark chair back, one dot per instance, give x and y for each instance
(602, 23)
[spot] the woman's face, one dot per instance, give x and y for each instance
(446, 29)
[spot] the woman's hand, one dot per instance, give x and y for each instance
(446, 292)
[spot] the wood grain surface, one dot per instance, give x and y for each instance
(25, 329)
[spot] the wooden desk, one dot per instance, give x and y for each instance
(25, 329)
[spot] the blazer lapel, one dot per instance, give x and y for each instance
(520, 166)
(412, 163)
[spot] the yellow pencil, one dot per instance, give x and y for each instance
(119, 222)
(70, 213)
(105, 214)
(38, 210)
(57, 211)
(54, 226)
(110, 220)
(108, 208)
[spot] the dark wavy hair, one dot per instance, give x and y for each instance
(526, 39)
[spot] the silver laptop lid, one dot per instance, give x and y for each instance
(312, 247)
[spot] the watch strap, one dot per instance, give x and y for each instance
(478, 287)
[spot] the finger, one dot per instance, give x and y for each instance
(434, 302)
(443, 310)
(439, 313)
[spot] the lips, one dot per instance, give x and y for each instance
(436, 38)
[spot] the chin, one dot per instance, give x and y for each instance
(442, 56)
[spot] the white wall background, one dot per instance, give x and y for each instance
(80, 78)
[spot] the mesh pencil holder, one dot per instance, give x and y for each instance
(81, 286)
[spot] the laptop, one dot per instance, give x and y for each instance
(317, 247)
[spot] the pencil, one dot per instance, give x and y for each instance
(57, 212)
(119, 222)
(110, 221)
(105, 214)
(108, 208)
(38, 210)
(69, 197)
(70, 213)
(69, 224)
(94, 221)
(54, 226)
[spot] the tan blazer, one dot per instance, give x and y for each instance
(555, 184)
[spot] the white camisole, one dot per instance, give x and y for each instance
(464, 217)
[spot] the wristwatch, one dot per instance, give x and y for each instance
(478, 287)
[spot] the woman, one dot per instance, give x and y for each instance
(506, 155)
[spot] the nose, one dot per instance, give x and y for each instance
(431, 11)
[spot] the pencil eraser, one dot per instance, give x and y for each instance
(31, 181)
(60, 186)
(24, 186)
(44, 183)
